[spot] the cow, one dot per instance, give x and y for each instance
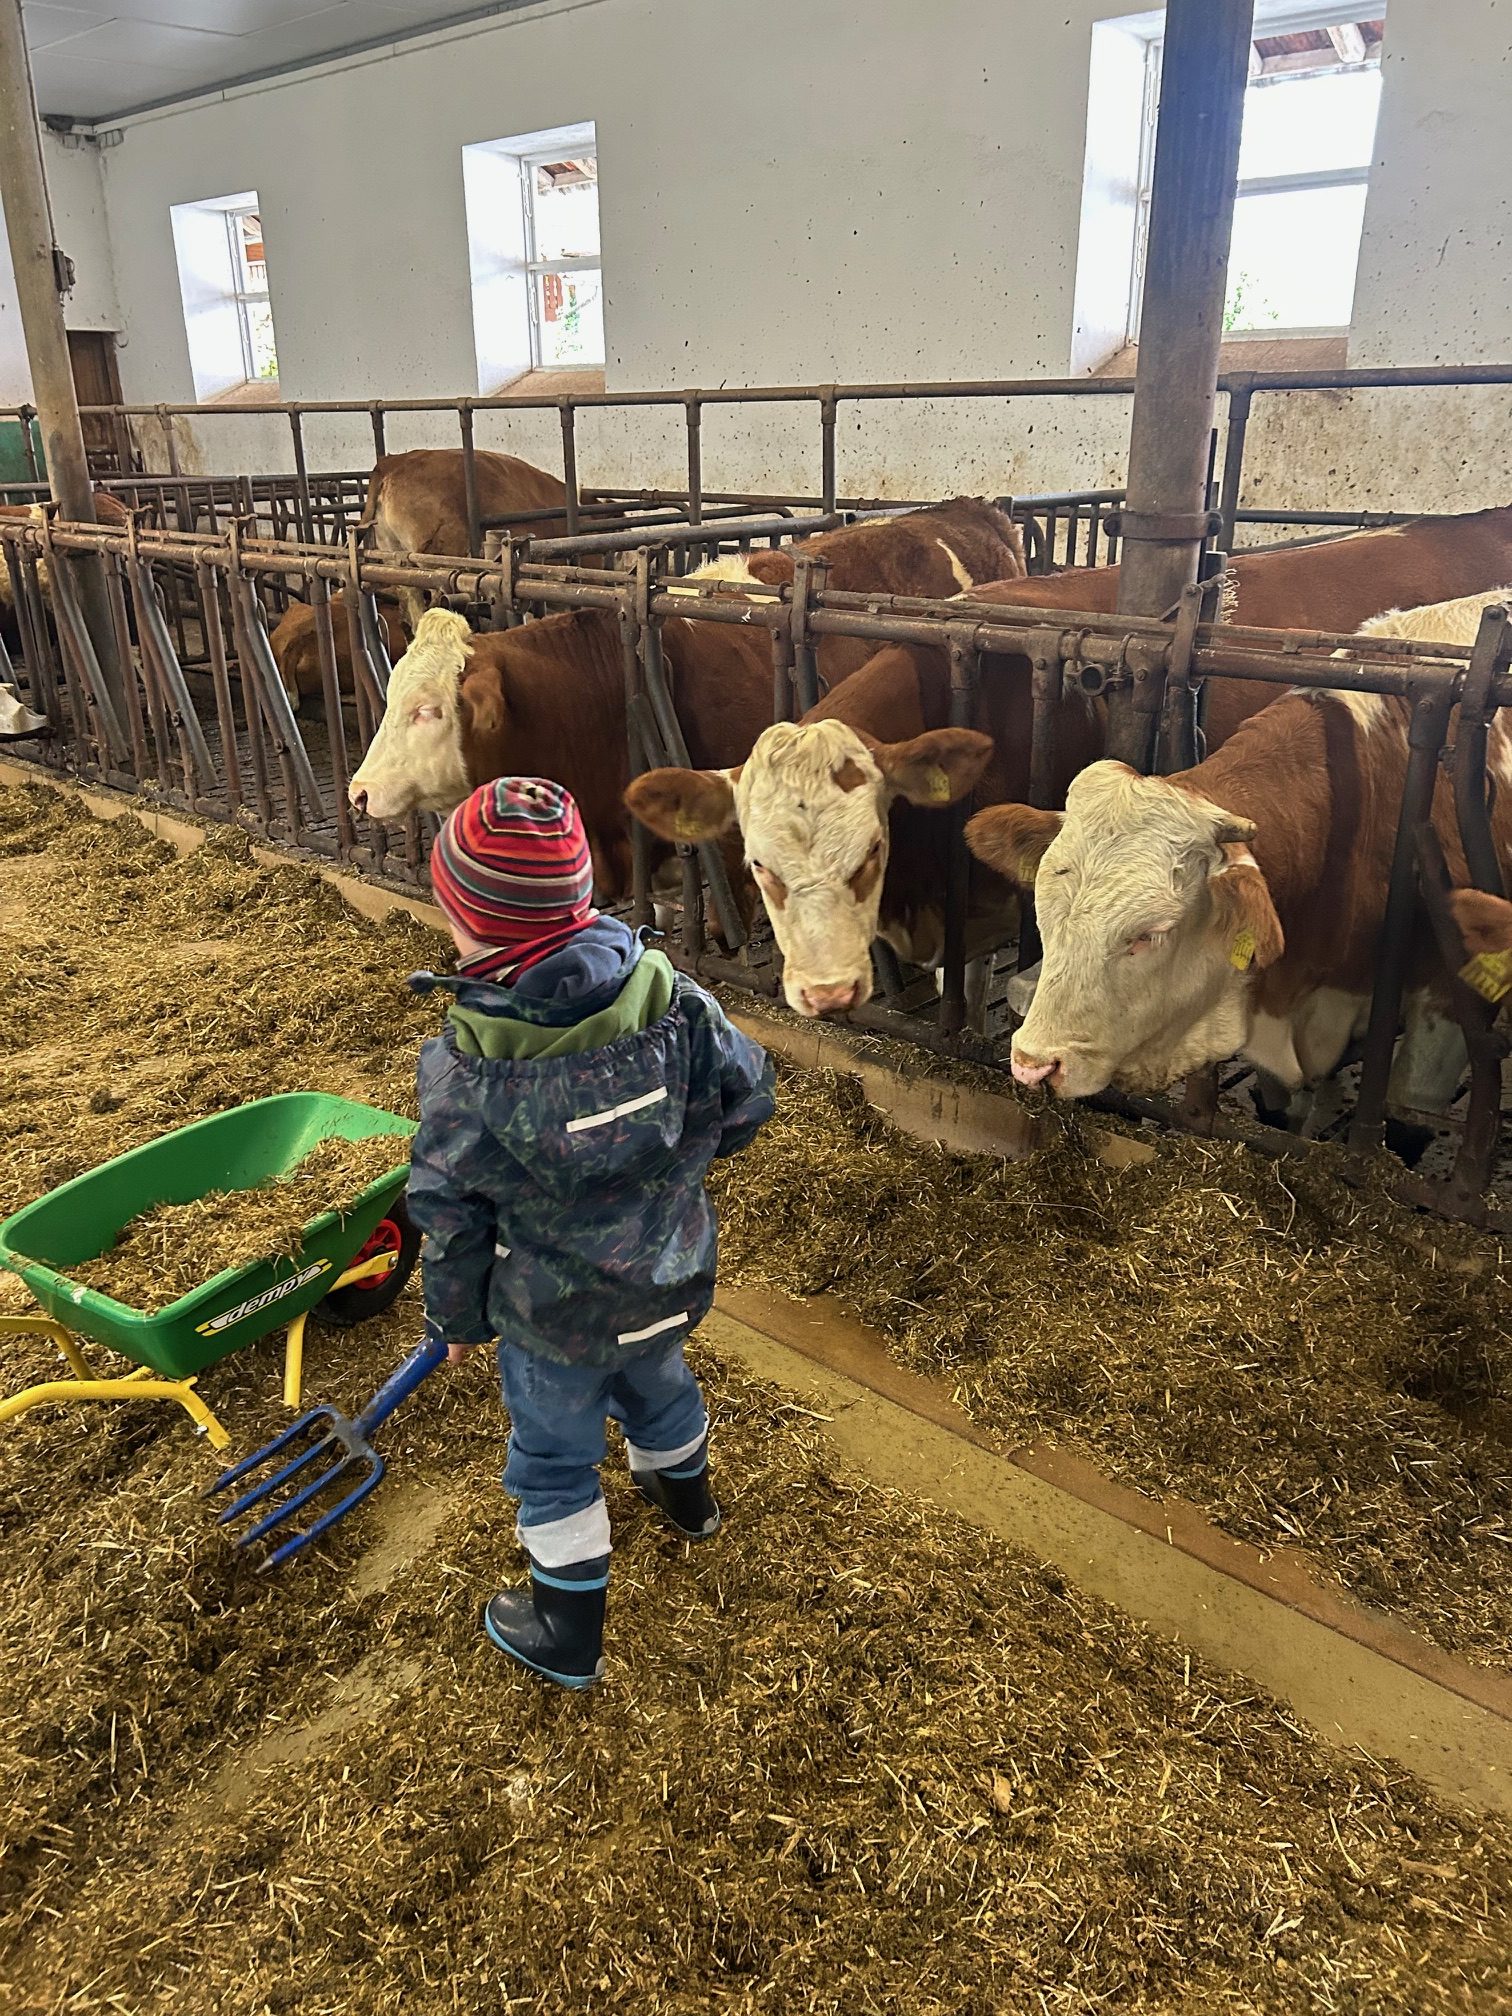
(1237, 907)
(1485, 922)
(297, 654)
(417, 503)
(548, 699)
(938, 551)
(812, 834)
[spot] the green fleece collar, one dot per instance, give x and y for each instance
(645, 998)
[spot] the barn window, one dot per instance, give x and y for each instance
(533, 248)
(1304, 163)
(228, 312)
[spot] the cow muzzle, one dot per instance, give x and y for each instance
(1032, 1071)
(829, 998)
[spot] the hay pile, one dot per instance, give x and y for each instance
(1314, 1365)
(850, 1757)
(173, 1249)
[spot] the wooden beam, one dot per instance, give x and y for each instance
(1348, 41)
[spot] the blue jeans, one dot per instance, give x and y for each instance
(557, 1440)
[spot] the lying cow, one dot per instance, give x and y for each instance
(1236, 906)
(417, 503)
(939, 551)
(297, 653)
(547, 699)
(813, 833)
(109, 512)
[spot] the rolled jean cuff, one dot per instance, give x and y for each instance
(562, 1543)
(665, 1459)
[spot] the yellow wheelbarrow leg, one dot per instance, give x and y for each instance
(142, 1384)
(365, 1270)
(72, 1392)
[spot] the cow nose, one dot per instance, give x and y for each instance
(832, 1000)
(358, 795)
(1033, 1070)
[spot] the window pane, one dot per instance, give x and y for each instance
(1297, 124)
(570, 312)
(247, 237)
(259, 322)
(565, 194)
(1293, 258)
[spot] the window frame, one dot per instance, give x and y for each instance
(1254, 185)
(245, 291)
(536, 267)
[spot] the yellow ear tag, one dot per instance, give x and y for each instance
(1490, 974)
(937, 787)
(1242, 950)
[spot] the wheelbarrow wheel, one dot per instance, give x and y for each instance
(396, 1233)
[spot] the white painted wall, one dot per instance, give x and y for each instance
(865, 189)
(78, 201)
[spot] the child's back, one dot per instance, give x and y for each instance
(569, 1114)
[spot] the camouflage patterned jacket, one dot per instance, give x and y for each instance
(561, 1188)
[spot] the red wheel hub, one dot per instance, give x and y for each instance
(385, 1237)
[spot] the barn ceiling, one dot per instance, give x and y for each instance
(94, 59)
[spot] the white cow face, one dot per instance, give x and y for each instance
(1153, 916)
(812, 803)
(416, 761)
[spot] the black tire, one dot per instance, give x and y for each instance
(395, 1232)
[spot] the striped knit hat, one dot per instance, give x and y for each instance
(511, 868)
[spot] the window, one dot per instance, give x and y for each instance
(562, 253)
(249, 266)
(223, 281)
(533, 251)
(1304, 162)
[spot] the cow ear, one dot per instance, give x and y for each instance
(1244, 915)
(482, 698)
(1012, 839)
(1234, 830)
(772, 567)
(935, 768)
(1485, 922)
(684, 804)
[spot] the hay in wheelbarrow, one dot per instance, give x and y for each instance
(175, 1248)
(1312, 1363)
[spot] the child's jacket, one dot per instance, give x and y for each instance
(566, 1126)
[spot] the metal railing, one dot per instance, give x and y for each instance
(226, 741)
(1240, 389)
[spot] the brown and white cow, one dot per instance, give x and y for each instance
(297, 654)
(417, 503)
(938, 551)
(813, 834)
(547, 699)
(1235, 907)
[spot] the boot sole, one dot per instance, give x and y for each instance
(576, 1682)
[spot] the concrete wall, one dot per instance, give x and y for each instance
(868, 189)
(78, 201)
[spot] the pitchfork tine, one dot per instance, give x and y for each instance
(269, 1449)
(292, 1505)
(261, 1490)
(369, 1483)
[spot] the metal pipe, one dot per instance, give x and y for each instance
(1425, 739)
(470, 480)
(1233, 463)
(220, 676)
(827, 419)
(301, 479)
(1166, 519)
(695, 460)
(963, 672)
(569, 464)
(1470, 739)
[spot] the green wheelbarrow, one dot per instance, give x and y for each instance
(349, 1267)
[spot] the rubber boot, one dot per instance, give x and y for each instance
(556, 1626)
(682, 1495)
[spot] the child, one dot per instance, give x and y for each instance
(568, 1115)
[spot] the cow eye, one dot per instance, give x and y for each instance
(1148, 941)
(758, 868)
(427, 713)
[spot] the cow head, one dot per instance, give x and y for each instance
(418, 760)
(811, 801)
(1153, 915)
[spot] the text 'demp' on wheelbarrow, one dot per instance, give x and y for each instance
(350, 1265)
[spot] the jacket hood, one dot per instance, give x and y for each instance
(585, 977)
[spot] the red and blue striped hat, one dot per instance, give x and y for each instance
(511, 867)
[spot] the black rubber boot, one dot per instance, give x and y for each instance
(556, 1626)
(682, 1495)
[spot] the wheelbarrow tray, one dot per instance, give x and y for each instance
(236, 1150)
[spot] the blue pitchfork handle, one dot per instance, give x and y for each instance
(349, 1438)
